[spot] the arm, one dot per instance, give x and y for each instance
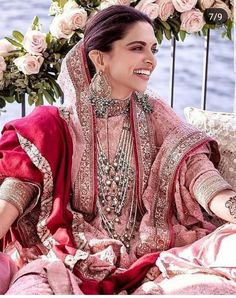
(8, 214)
(14, 198)
(224, 205)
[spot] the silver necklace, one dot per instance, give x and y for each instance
(114, 180)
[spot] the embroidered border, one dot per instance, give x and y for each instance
(145, 147)
(64, 114)
(84, 188)
(187, 138)
(208, 188)
(46, 199)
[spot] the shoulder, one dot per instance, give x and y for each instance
(162, 110)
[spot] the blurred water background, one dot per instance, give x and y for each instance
(17, 15)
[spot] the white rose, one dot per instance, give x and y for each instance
(192, 21)
(204, 4)
(29, 64)
(60, 27)
(6, 47)
(221, 4)
(1, 75)
(70, 5)
(35, 42)
(3, 65)
(76, 18)
(166, 9)
(184, 5)
(106, 3)
(149, 7)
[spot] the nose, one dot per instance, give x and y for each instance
(150, 60)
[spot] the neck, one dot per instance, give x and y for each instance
(118, 96)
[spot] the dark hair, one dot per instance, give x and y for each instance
(109, 25)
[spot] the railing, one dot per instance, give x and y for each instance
(205, 71)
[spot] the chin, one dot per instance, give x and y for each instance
(140, 89)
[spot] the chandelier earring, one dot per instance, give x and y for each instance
(99, 86)
(100, 93)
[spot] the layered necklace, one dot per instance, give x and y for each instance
(115, 179)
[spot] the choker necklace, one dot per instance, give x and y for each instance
(114, 107)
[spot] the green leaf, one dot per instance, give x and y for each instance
(31, 100)
(175, 27)
(165, 25)
(49, 38)
(61, 3)
(204, 30)
(18, 36)
(48, 96)
(55, 86)
(2, 103)
(14, 42)
(159, 35)
(35, 24)
(39, 102)
(182, 34)
(9, 99)
(167, 34)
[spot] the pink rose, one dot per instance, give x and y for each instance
(6, 47)
(35, 42)
(166, 9)
(60, 27)
(75, 17)
(106, 3)
(184, 5)
(192, 21)
(3, 65)
(221, 4)
(204, 4)
(149, 7)
(29, 64)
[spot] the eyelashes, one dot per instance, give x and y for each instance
(154, 51)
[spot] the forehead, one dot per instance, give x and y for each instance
(140, 31)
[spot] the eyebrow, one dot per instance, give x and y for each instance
(140, 42)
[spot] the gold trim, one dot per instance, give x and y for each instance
(47, 193)
(186, 138)
(208, 188)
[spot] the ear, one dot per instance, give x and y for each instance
(97, 59)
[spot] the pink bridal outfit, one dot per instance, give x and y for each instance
(108, 190)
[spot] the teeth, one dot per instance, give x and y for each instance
(142, 71)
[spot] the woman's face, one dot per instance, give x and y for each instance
(132, 60)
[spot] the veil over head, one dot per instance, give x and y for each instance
(74, 76)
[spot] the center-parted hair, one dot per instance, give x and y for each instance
(109, 25)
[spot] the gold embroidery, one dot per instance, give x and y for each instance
(17, 192)
(83, 188)
(186, 137)
(208, 188)
(65, 114)
(145, 147)
(46, 199)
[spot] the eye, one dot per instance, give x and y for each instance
(155, 50)
(139, 48)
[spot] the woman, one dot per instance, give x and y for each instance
(111, 179)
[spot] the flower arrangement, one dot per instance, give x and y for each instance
(30, 63)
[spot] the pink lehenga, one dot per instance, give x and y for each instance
(117, 184)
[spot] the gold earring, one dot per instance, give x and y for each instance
(99, 86)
